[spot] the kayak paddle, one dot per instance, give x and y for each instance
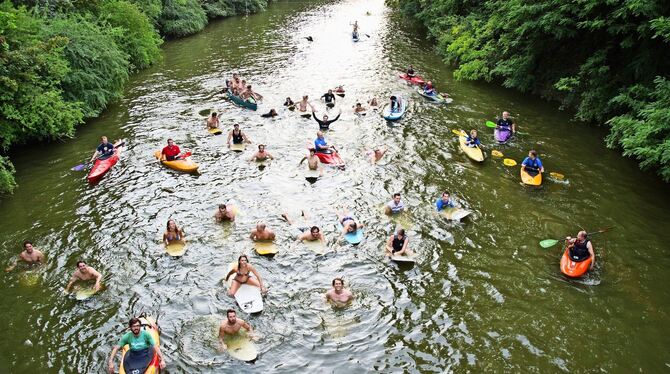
(493, 126)
(81, 167)
(546, 243)
(458, 132)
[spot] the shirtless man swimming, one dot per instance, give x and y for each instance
(261, 232)
(213, 122)
(29, 255)
(261, 155)
(338, 295)
(313, 162)
(232, 326)
(307, 233)
(84, 273)
(224, 213)
(302, 104)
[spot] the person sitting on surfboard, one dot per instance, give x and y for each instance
(271, 114)
(224, 213)
(171, 152)
(213, 121)
(261, 232)
(172, 233)
(444, 202)
(243, 272)
(349, 225)
(506, 123)
(580, 248)
(104, 150)
(472, 140)
(410, 72)
(428, 89)
(398, 244)
(231, 326)
(84, 273)
(325, 123)
(140, 343)
(338, 295)
(320, 144)
(395, 104)
(394, 206)
(237, 135)
(302, 104)
(532, 164)
(289, 103)
(313, 162)
(261, 155)
(329, 98)
(29, 255)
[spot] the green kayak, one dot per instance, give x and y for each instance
(249, 103)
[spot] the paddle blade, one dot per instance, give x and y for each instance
(548, 243)
(556, 175)
(79, 167)
(495, 153)
(509, 162)
(490, 124)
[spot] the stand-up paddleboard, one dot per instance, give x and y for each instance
(83, 293)
(455, 214)
(352, 237)
(215, 131)
(240, 346)
(248, 297)
(266, 248)
(176, 248)
(238, 147)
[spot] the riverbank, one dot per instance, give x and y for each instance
(65, 64)
(609, 62)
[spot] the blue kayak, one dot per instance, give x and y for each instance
(249, 103)
(397, 114)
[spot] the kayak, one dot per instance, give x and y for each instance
(438, 98)
(101, 167)
(475, 153)
(332, 159)
(394, 116)
(250, 103)
(186, 165)
(502, 136)
(414, 80)
(145, 362)
(530, 179)
(574, 269)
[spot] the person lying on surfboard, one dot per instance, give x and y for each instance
(262, 154)
(398, 244)
(289, 103)
(506, 123)
(237, 135)
(172, 233)
(29, 255)
(302, 104)
(444, 202)
(338, 295)
(243, 272)
(532, 164)
(376, 153)
(84, 273)
(224, 213)
(261, 232)
(213, 122)
(329, 98)
(325, 123)
(472, 140)
(394, 206)
(359, 108)
(231, 326)
(349, 225)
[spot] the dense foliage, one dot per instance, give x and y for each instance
(607, 59)
(62, 61)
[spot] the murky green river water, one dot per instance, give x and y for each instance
(484, 296)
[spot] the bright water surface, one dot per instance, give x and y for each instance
(484, 296)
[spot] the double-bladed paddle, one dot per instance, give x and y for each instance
(546, 243)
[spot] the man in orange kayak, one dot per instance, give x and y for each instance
(580, 248)
(141, 346)
(170, 152)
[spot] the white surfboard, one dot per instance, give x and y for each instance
(248, 297)
(455, 214)
(404, 259)
(312, 174)
(241, 347)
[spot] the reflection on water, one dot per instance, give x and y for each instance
(483, 295)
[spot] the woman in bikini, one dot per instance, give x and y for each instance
(173, 233)
(243, 272)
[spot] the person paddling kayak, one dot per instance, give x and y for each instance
(444, 202)
(505, 123)
(472, 140)
(329, 98)
(410, 72)
(325, 123)
(171, 152)
(141, 344)
(428, 89)
(104, 150)
(532, 164)
(580, 248)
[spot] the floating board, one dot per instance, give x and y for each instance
(83, 293)
(215, 131)
(312, 174)
(176, 249)
(266, 248)
(238, 147)
(361, 114)
(241, 347)
(455, 214)
(315, 246)
(248, 297)
(30, 278)
(353, 238)
(404, 259)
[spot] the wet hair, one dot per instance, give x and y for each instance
(80, 262)
(25, 243)
(239, 258)
(170, 140)
(354, 226)
(401, 232)
(393, 98)
(213, 114)
(338, 279)
(167, 225)
(314, 228)
(230, 311)
(133, 321)
(222, 206)
(236, 125)
(446, 193)
(396, 194)
(533, 152)
(261, 145)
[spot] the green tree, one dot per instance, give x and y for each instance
(182, 17)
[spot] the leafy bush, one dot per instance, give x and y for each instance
(182, 17)
(7, 182)
(226, 8)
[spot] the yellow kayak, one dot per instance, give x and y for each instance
(475, 153)
(187, 165)
(529, 179)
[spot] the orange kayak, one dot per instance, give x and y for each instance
(186, 165)
(142, 364)
(574, 269)
(528, 179)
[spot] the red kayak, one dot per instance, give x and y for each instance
(332, 159)
(101, 167)
(414, 80)
(572, 268)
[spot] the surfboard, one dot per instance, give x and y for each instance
(404, 259)
(455, 214)
(215, 131)
(241, 347)
(83, 293)
(352, 237)
(312, 174)
(266, 248)
(248, 297)
(31, 277)
(238, 147)
(315, 246)
(176, 248)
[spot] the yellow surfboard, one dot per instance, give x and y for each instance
(266, 248)
(176, 248)
(241, 347)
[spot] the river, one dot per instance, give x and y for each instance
(484, 296)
